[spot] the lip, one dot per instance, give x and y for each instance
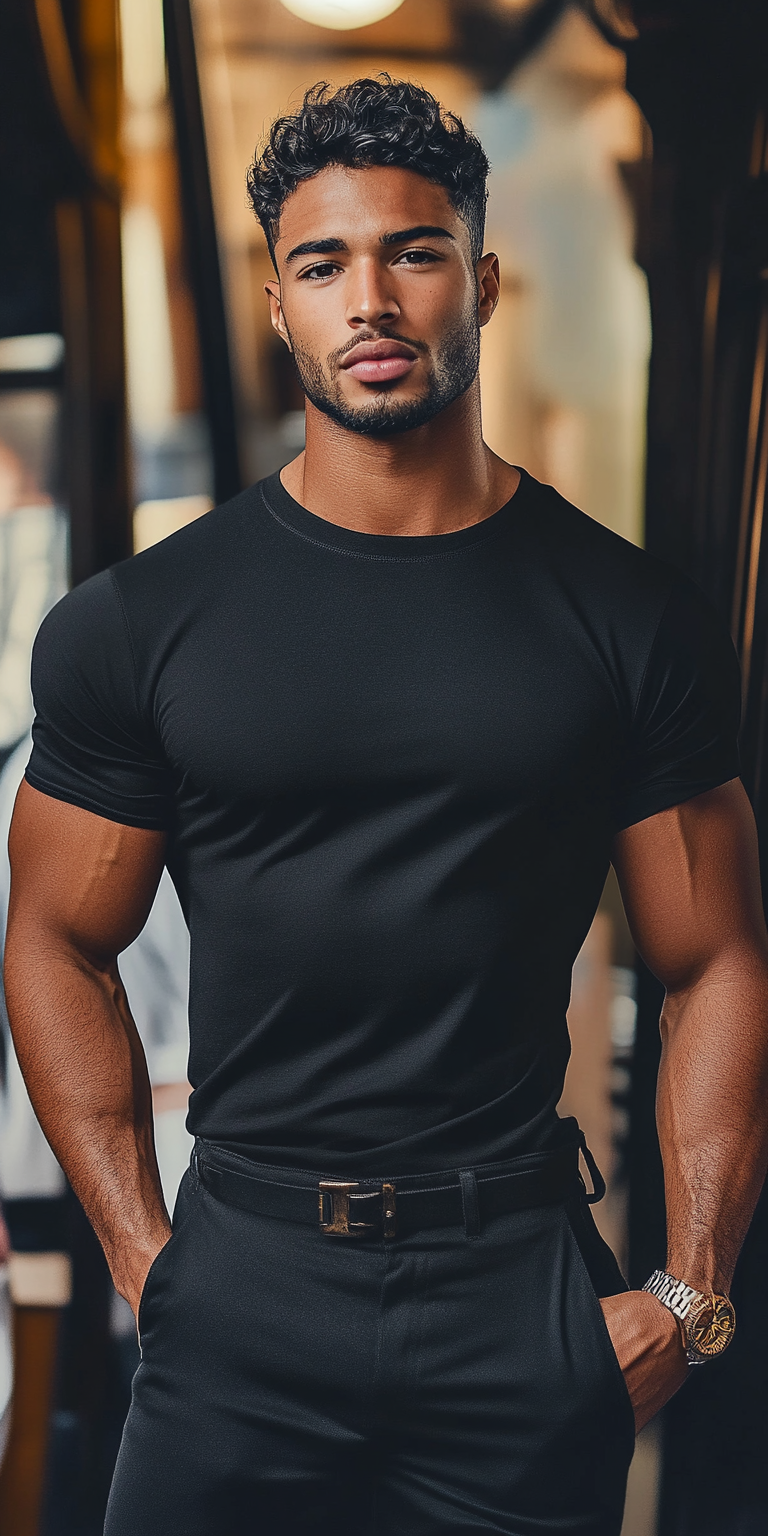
(376, 362)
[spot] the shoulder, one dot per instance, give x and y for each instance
(612, 588)
(200, 553)
(108, 632)
(83, 656)
(597, 557)
(86, 615)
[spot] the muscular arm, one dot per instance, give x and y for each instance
(691, 886)
(81, 890)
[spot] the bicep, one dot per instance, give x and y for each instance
(690, 881)
(78, 878)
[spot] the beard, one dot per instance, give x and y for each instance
(450, 375)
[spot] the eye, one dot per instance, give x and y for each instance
(319, 271)
(418, 258)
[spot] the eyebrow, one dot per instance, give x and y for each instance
(419, 232)
(316, 248)
(398, 237)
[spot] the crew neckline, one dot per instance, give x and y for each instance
(388, 546)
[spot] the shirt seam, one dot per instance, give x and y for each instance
(134, 662)
(91, 802)
(129, 638)
(359, 554)
(678, 795)
(649, 657)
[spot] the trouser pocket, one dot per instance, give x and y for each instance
(595, 1273)
(163, 1263)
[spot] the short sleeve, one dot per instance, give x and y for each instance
(684, 733)
(91, 745)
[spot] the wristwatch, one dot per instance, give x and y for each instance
(707, 1323)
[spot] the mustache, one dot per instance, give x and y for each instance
(371, 333)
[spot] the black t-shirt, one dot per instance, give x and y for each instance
(390, 770)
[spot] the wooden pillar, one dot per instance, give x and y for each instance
(35, 1335)
(40, 1285)
(80, 69)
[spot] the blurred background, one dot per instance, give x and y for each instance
(140, 382)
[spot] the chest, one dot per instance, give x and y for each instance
(306, 688)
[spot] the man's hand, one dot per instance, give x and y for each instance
(130, 1267)
(649, 1348)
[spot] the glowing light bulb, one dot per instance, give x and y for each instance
(342, 14)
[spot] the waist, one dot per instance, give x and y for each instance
(391, 1207)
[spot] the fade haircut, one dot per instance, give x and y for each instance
(379, 121)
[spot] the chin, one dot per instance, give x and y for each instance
(385, 417)
(383, 412)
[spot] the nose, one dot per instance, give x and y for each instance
(370, 299)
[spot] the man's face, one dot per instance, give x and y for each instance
(378, 297)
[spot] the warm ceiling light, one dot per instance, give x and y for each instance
(342, 14)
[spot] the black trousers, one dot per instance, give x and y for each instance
(293, 1384)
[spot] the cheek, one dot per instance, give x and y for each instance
(315, 322)
(438, 303)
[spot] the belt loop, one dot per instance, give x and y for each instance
(598, 1182)
(470, 1202)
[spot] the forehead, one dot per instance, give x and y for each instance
(359, 206)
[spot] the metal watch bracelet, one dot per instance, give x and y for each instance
(687, 1305)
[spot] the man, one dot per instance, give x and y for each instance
(387, 717)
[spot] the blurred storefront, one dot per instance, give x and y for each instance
(140, 382)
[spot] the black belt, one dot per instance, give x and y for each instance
(391, 1208)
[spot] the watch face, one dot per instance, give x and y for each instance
(710, 1325)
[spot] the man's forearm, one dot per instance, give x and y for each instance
(85, 1070)
(712, 1115)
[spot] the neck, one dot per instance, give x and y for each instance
(434, 479)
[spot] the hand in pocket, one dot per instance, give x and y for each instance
(649, 1349)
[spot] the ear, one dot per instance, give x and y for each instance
(488, 286)
(272, 290)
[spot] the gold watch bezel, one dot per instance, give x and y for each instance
(709, 1326)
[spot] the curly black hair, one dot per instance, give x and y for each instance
(377, 121)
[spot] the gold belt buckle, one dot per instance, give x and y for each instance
(340, 1224)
